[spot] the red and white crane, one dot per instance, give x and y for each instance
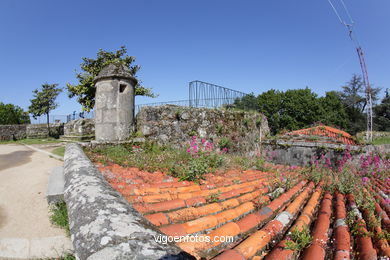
(363, 65)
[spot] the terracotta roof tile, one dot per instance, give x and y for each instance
(239, 205)
(335, 135)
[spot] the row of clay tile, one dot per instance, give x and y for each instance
(244, 225)
(258, 241)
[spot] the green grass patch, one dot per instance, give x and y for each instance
(59, 216)
(33, 141)
(60, 151)
(381, 140)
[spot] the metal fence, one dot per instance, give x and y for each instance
(61, 118)
(203, 94)
(206, 103)
(52, 119)
(79, 115)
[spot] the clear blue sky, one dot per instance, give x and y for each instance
(251, 46)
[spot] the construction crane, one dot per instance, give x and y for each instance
(363, 65)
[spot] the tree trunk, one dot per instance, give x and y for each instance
(48, 124)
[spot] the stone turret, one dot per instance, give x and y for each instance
(114, 103)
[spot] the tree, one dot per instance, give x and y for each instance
(354, 98)
(44, 101)
(382, 114)
(300, 108)
(333, 111)
(11, 114)
(269, 103)
(85, 90)
(248, 102)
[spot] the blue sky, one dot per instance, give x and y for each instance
(251, 46)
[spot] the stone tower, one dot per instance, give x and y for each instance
(114, 103)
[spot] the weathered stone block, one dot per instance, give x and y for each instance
(102, 224)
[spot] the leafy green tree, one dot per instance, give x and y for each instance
(85, 90)
(44, 101)
(248, 102)
(11, 114)
(300, 108)
(333, 111)
(269, 104)
(382, 114)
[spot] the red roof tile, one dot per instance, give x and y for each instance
(335, 135)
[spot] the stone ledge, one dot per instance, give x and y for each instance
(55, 186)
(102, 223)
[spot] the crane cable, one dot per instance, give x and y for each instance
(363, 65)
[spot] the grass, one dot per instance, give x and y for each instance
(68, 257)
(60, 151)
(381, 140)
(175, 162)
(32, 141)
(59, 216)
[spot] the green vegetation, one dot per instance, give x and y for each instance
(213, 197)
(32, 141)
(59, 216)
(85, 90)
(300, 108)
(11, 114)
(190, 164)
(225, 143)
(381, 140)
(60, 151)
(382, 114)
(44, 101)
(298, 239)
(68, 257)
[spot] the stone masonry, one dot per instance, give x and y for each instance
(114, 103)
(175, 125)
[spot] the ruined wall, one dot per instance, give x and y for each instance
(303, 153)
(175, 125)
(12, 132)
(17, 132)
(82, 127)
(41, 131)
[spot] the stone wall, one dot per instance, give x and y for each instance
(303, 153)
(79, 129)
(175, 125)
(41, 131)
(375, 135)
(102, 224)
(16, 132)
(12, 132)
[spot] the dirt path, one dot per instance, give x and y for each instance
(24, 211)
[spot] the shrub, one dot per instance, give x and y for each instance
(298, 239)
(225, 144)
(195, 170)
(59, 215)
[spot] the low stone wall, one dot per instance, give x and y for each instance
(12, 132)
(102, 224)
(41, 131)
(303, 153)
(17, 132)
(175, 125)
(375, 134)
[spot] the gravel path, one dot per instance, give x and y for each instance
(25, 229)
